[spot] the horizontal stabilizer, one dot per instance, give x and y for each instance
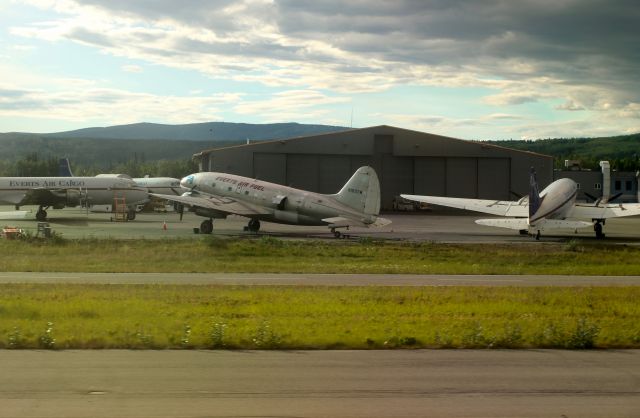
(562, 224)
(342, 221)
(511, 223)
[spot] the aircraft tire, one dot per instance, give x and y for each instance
(41, 215)
(598, 229)
(131, 215)
(254, 225)
(206, 227)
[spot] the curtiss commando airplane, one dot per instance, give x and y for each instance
(58, 192)
(216, 195)
(553, 208)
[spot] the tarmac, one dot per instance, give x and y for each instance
(451, 226)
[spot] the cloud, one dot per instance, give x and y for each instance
(92, 104)
(289, 105)
(132, 68)
(582, 53)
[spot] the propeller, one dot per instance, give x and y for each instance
(598, 200)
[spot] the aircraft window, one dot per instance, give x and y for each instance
(578, 186)
(597, 186)
(627, 185)
(618, 184)
(213, 185)
(246, 192)
(229, 189)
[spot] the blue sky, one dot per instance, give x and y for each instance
(485, 69)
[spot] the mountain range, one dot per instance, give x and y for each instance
(209, 131)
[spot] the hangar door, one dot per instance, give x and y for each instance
(429, 176)
(494, 178)
(270, 167)
(462, 177)
(302, 171)
(396, 178)
(318, 173)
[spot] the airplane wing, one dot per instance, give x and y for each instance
(36, 197)
(222, 204)
(493, 207)
(340, 221)
(582, 211)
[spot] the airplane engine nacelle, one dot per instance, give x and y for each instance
(285, 216)
(209, 213)
(74, 197)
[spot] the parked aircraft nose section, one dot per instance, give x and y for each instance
(189, 182)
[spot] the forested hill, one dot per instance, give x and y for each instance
(622, 151)
(137, 149)
(210, 131)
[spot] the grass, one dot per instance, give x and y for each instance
(271, 255)
(239, 317)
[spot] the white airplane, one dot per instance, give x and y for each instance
(152, 184)
(216, 195)
(59, 192)
(553, 208)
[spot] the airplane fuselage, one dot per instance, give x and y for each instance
(161, 185)
(287, 205)
(558, 199)
(68, 191)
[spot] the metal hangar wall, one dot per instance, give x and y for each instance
(406, 162)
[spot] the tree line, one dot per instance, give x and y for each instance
(33, 165)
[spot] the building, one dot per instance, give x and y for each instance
(406, 162)
(593, 185)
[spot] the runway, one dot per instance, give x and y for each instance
(419, 383)
(275, 279)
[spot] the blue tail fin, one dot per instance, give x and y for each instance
(534, 194)
(64, 168)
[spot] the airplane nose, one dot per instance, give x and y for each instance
(188, 182)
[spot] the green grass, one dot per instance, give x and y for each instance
(288, 317)
(270, 255)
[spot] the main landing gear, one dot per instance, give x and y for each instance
(597, 227)
(206, 227)
(253, 226)
(41, 214)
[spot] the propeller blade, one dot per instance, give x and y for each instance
(590, 196)
(614, 197)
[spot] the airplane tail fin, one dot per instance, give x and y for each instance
(361, 192)
(64, 168)
(534, 194)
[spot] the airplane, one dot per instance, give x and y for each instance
(216, 195)
(60, 192)
(152, 184)
(553, 208)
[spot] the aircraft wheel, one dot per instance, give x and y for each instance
(337, 234)
(538, 236)
(206, 227)
(598, 229)
(41, 215)
(254, 225)
(131, 215)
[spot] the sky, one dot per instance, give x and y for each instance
(477, 69)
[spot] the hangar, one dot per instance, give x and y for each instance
(406, 161)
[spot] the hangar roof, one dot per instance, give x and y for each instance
(387, 129)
